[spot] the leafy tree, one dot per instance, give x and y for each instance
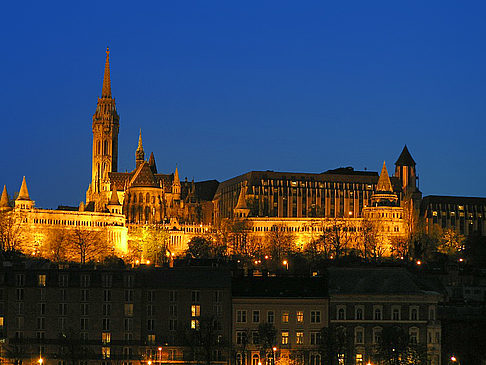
(149, 242)
(451, 242)
(204, 340)
(395, 348)
(333, 341)
(200, 248)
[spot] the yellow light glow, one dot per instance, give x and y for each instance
(453, 358)
(284, 262)
(149, 362)
(41, 360)
(148, 262)
(419, 262)
(274, 348)
(160, 348)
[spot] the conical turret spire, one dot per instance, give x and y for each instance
(24, 193)
(114, 196)
(384, 183)
(4, 198)
(140, 145)
(152, 163)
(176, 176)
(106, 91)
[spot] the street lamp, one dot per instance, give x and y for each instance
(286, 264)
(160, 354)
(40, 361)
(274, 350)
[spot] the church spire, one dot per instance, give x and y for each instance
(106, 91)
(139, 153)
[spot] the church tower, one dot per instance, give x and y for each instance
(105, 136)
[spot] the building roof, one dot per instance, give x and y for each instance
(375, 281)
(405, 158)
(458, 200)
(279, 287)
(4, 198)
(24, 193)
(384, 183)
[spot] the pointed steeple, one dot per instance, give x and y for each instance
(24, 193)
(405, 158)
(114, 196)
(241, 210)
(106, 91)
(176, 177)
(152, 164)
(384, 183)
(4, 199)
(139, 153)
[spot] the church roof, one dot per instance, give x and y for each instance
(384, 183)
(24, 193)
(106, 91)
(241, 199)
(152, 164)
(143, 176)
(4, 198)
(405, 158)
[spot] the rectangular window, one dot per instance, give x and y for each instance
(285, 317)
(107, 295)
(299, 338)
(315, 338)
(414, 316)
(85, 280)
(270, 317)
(150, 310)
(195, 310)
(106, 280)
(84, 309)
(285, 337)
(106, 324)
(41, 323)
(105, 352)
(41, 280)
(84, 295)
(241, 316)
(107, 309)
(63, 280)
(172, 296)
(129, 310)
(129, 295)
(20, 293)
(128, 324)
(150, 324)
(195, 324)
(256, 316)
(151, 296)
(42, 309)
(106, 338)
(240, 337)
(255, 337)
(20, 280)
(396, 313)
(359, 336)
(218, 294)
(83, 324)
(315, 316)
(172, 324)
(300, 317)
(195, 296)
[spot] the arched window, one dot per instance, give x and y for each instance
(359, 313)
(255, 359)
(341, 314)
(239, 359)
(147, 198)
(140, 198)
(105, 147)
(134, 198)
(98, 148)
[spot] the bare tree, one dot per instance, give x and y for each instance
(86, 245)
(279, 242)
(10, 230)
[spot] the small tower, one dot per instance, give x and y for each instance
(241, 210)
(4, 205)
(405, 171)
(384, 194)
(23, 200)
(176, 186)
(114, 205)
(139, 153)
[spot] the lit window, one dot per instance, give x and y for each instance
(194, 324)
(195, 310)
(300, 317)
(128, 310)
(285, 317)
(41, 280)
(285, 337)
(105, 351)
(299, 337)
(359, 359)
(106, 337)
(151, 339)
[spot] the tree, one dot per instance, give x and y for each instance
(279, 242)
(395, 348)
(55, 247)
(333, 341)
(149, 242)
(87, 245)
(10, 230)
(200, 248)
(205, 340)
(451, 242)
(267, 335)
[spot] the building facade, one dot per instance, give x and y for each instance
(365, 303)
(102, 315)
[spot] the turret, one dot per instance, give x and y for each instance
(241, 210)
(384, 194)
(23, 200)
(4, 205)
(114, 205)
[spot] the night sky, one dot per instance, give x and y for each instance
(224, 87)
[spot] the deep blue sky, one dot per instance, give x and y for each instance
(223, 87)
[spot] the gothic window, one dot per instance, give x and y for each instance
(105, 147)
(98, 149)
(140, 198)
(147, 198)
